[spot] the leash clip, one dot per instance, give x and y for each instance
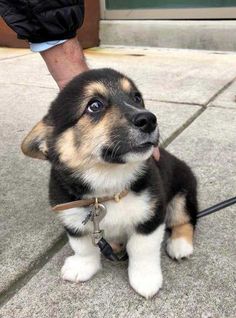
(97, 214)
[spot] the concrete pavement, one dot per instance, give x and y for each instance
(193, 95)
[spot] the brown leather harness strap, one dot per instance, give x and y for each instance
(87, 202)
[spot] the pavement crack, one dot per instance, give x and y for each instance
(220, 91)
(21, 281)
(29, 85)
(185, 125)
(173, 102)
(15, 57)
(222, 107)
(179, 131)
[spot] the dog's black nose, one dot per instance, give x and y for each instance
(145, 121)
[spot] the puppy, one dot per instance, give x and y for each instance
(99, 139)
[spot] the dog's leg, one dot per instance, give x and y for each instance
(144, 262)
(180, 243)
(181, 218)
(85, 263)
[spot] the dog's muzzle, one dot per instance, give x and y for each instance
(145, 121)
(134, 141)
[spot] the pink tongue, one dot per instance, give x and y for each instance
(156, 153)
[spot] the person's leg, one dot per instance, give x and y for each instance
(65, 61)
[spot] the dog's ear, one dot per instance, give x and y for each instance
(35, 143)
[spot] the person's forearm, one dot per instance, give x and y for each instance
(65, 61)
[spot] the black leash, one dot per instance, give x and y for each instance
(216, 207)
(108, 252)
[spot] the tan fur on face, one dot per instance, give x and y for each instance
(184, 231)
(176, 211)
(96, 88)
(72, 155)
(125, 85)
(37, 136)
(80, 145)
(66, 148)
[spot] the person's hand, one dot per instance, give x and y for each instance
(65, 61)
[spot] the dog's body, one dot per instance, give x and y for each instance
(99, 140)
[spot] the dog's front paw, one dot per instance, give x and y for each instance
(179, 248)
(79, 269)
(145, 283)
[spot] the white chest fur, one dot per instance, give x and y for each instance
(121, 217)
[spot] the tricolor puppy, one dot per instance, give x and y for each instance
(99, 139)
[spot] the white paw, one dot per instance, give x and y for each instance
(145, 283)
(179, 248)
(79, 269)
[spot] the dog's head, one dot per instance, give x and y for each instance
(99, 117)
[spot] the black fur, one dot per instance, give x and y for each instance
(64, 109)
(73, 232)
(63, 187)
(177, 177)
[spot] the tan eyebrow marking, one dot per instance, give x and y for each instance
(96, 88)
(125, 85)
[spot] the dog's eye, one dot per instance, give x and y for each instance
(137, 98)
(95, 106)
